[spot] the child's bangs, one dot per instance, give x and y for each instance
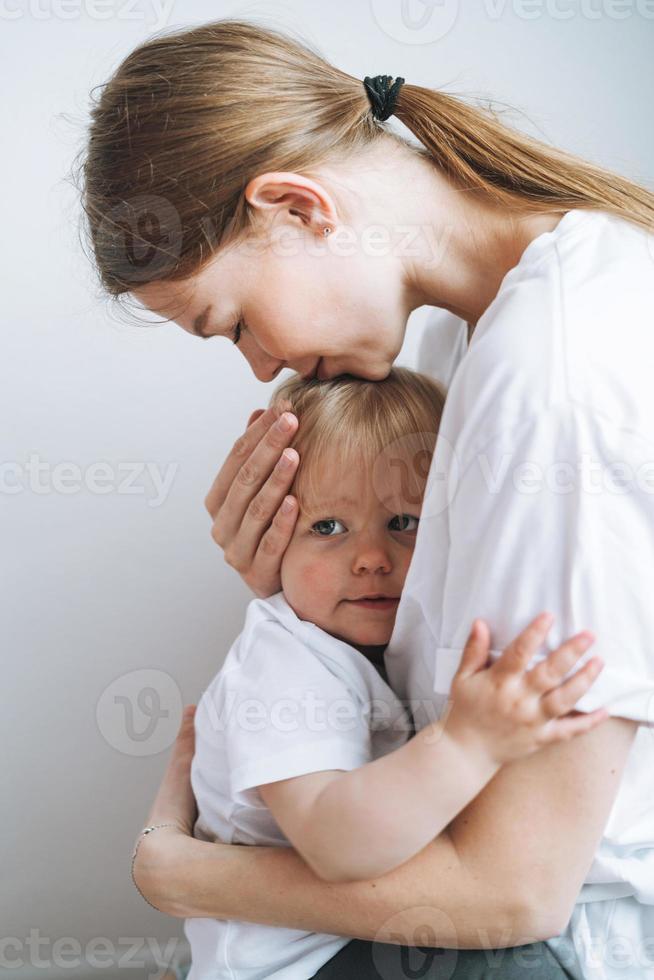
(384, 431)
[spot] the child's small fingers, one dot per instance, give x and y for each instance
(564, 729)
(562, 699)
(550, 671)
(475, 652)
(518, 654)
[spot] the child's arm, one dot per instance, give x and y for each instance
(361, 824)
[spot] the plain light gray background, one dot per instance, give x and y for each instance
(115, 601)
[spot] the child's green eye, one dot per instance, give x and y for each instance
(324, 527)
(403, 518)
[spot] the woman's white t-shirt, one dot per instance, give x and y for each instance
(290, 699)
(541, 496)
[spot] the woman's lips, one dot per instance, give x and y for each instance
(375, 603)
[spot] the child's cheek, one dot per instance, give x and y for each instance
(320, 579)
(310, 583)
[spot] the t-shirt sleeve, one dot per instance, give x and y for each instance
(285, 713)
(558, 514)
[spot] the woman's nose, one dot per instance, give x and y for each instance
(264, 367)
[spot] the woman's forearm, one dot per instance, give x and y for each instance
(274, 886)
(367, 821)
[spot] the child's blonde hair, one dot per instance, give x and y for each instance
(354, 423)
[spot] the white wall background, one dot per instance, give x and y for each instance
(97, 586)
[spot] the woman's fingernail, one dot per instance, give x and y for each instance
(545, 619)
(284, 423)
(285, 461)
(287, 505)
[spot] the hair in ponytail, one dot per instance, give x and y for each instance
(190, 117)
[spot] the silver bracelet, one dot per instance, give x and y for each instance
(146, 830)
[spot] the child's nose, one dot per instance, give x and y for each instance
(371, 556)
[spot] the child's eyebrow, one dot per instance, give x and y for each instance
(390, 501)
(322, 505)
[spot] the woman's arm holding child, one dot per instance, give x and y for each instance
(360, 824)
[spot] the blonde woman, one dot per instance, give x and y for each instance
(239, 184)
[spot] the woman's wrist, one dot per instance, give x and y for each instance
(156, 860)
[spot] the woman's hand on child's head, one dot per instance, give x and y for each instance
(246, 500)
(512, 711)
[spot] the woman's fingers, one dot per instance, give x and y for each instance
(247, 545)
(257, 488)
(241, 452)
(517, 655)
(257, 413)
(272, 546)
(563, 698)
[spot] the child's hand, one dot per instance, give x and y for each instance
(512, 712)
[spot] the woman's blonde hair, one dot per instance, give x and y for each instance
(190, 117)
(348, 423)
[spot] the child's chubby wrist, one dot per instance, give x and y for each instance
(463, 742)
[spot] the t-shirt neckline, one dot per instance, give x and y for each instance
(535, 250)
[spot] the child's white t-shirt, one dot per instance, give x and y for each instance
(541, 496)
(290, 699)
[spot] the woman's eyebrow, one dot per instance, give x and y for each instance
(199, 325)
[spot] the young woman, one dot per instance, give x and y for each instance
(240, 185)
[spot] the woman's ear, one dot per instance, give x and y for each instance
(291, 197)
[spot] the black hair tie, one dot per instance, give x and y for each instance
(382, 95)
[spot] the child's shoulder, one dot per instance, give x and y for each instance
(271, 640)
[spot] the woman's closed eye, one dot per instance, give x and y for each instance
(236, 330)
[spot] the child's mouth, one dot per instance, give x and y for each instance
(380, 602)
